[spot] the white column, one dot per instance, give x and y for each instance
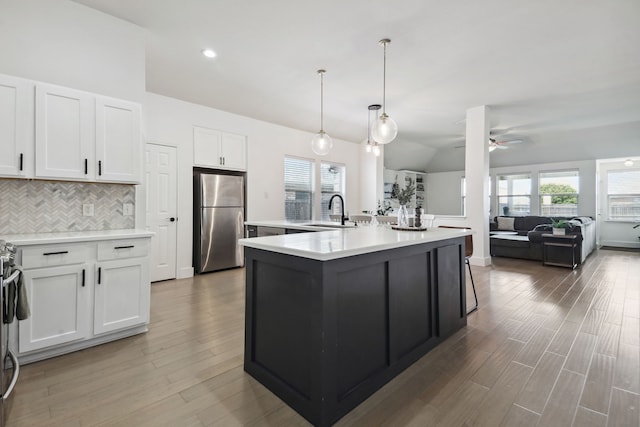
(371, 179)
(477, 181)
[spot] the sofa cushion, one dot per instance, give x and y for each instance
(505, 223)
(527, 223)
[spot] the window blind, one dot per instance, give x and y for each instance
(298, 189)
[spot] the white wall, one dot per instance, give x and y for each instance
(65, 43)
(171, 121)
(443, 193)
(587, 196)
(441, 198)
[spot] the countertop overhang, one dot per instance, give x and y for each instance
(341, 243)
(74, 236)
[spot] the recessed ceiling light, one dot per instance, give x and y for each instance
(628, 163)
(208, 53)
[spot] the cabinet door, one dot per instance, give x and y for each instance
(60, 306)
(207, 147)
(122, 295)
(117, 140)
(16, 127)
(234, 151)
(65, 140)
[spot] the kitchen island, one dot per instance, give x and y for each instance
(332, 316)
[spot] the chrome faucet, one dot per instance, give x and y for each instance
(342, 217)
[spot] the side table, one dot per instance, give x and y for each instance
(559, 250)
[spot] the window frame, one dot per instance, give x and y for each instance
(312, 191)
(541, 195)
(608, 196)
(323, 208)
(512, 196)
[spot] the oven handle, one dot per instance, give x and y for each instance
(11, 278)
(14, 378)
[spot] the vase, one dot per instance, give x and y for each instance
(403, 216)
(559, 231)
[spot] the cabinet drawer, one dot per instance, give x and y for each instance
(56, 255)
(119, 249)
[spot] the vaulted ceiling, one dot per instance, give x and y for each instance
(563, 76)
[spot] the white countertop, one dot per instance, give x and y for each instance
(73, 236)
(328, 245)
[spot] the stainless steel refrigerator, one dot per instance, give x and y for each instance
(218, 220)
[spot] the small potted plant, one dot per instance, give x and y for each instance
(559, 226)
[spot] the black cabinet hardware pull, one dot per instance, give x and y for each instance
(99, 274)
(99, 167)
(86, 166)
(55, 253)
(172, 219)
(124, 247)
(83, 277)
(21, 160)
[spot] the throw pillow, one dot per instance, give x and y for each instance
(505, 223)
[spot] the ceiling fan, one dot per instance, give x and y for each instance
(494, 143)
(500, 144)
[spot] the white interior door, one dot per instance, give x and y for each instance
(161, 182)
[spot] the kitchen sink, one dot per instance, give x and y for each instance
(331, 225)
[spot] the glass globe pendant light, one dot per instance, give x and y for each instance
(321, 142)
(385, 128)
(372, 145)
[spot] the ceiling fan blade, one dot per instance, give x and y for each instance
(513, 141)
(501, 147)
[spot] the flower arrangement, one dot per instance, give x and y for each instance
(404, 196)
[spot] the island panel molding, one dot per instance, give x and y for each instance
(324, 335)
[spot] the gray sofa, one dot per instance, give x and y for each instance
(522, 238)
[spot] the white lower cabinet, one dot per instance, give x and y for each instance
(121, 295)
(83, 294)
(60, 303)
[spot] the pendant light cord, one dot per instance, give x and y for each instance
(321, 72)
(384, 77)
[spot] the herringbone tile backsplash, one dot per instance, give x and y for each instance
(50, 206)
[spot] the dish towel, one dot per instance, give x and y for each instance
(17, 304)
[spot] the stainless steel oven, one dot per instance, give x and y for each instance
(9, 366)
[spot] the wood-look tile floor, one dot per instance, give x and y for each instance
(548, 347)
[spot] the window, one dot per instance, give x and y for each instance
(514, 195)
(623, 195)
(558, 193)
(298, 189)
(332, 181)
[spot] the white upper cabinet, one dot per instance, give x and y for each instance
(65, 141)
(234, 151)
(16, 127)
(87, 137)
(222, 150)
(117, 140)
(207, 146)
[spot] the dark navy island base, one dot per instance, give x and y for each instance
(325, 335)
